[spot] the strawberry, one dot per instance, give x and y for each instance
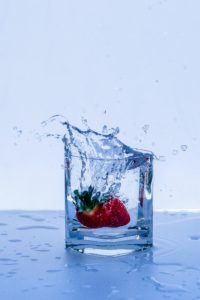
(94, 210)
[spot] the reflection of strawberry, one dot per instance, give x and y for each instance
(95, 211)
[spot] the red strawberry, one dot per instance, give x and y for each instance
(94, 212)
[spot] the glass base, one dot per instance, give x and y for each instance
(110, 245)
(107, 251)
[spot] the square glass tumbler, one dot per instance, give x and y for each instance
(109, 203)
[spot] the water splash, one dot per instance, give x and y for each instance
(90, 147)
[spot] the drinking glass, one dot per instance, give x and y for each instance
(109, 203)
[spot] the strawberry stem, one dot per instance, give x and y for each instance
(88, 199)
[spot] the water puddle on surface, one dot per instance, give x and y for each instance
(165, 247)
(166, 287)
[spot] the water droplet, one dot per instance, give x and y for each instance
(17, 131)
(145, 128)
(32, 218)
(49, 285)
(53, 270)
(174, 152)
(3, 224)
(105, 129)
(41, 250)
(85, 122)
(195, 237)
(14, 241)
(162, 158)
(90, 269)
(184, 147)
(113, 293)
(67, 292)
(163, 287)
(86, 286)
(12, 272)
(37, 227)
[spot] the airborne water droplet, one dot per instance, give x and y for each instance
(145, 128)
(174, 152)
(184, 147)
(162, 158)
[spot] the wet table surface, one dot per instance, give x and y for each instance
(35, 265)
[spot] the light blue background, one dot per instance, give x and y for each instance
(138, 60)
